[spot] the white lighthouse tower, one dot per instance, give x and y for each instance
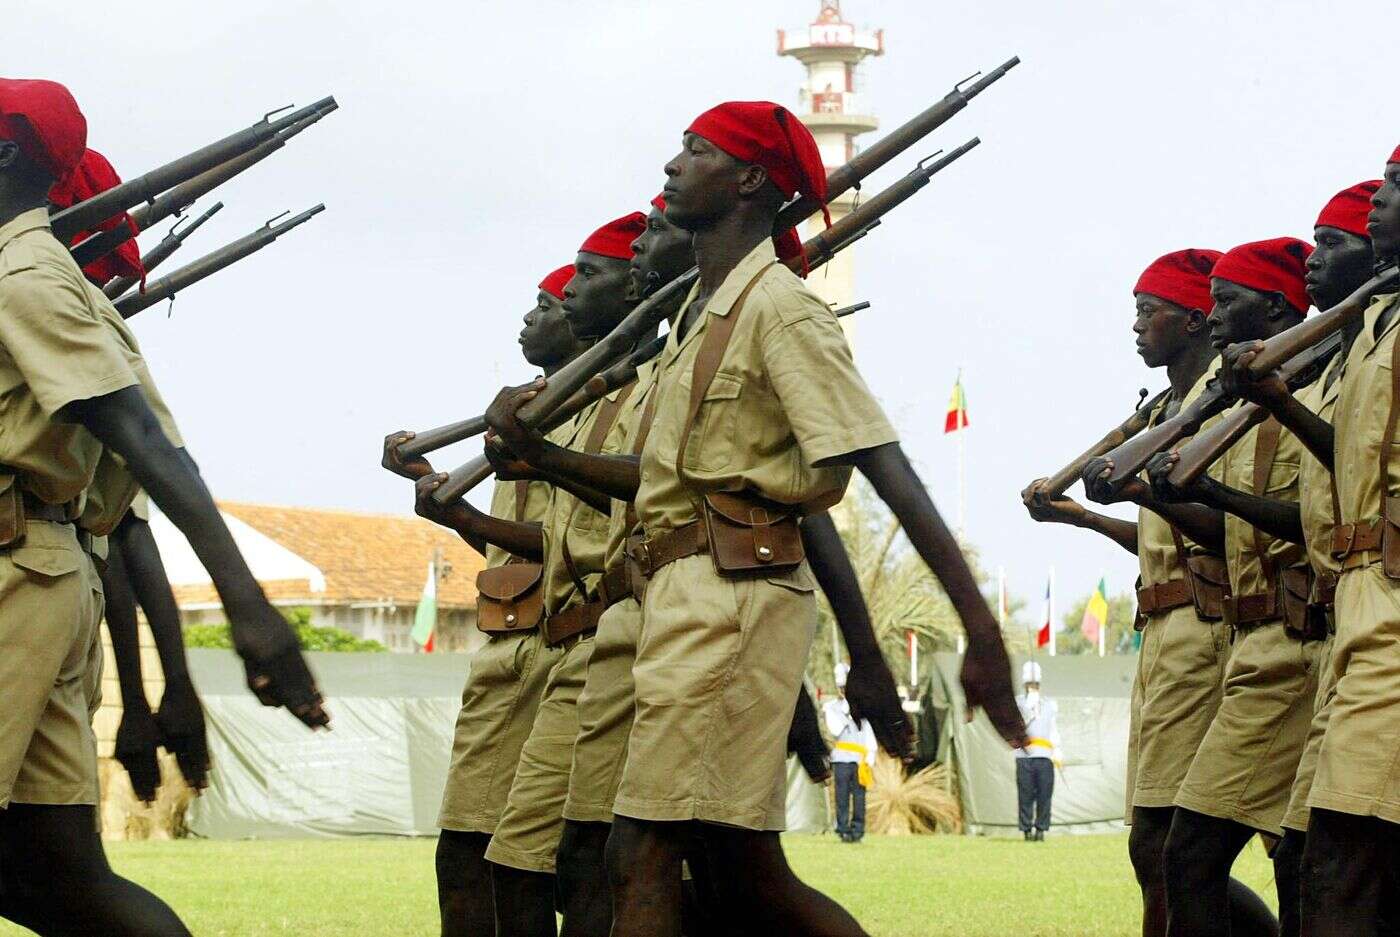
(831, 106)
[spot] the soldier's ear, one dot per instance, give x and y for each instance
(1195, 321)
(1278, 304)
(751, 179)
(9, 152)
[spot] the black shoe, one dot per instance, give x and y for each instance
(1030, 837)
(1040, 836)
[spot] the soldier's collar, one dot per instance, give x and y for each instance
(728, 293)
(23, 223)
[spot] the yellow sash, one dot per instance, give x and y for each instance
(864, 776)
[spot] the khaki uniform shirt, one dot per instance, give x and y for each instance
(1157, 555)
(1315, 481)
(1242, 541)
(786, 398)
(575, 527)
(503, 503)
(1363, 404)
(56, 347)
(629, 425)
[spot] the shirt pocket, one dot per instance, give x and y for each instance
(712, 441)
(46, 561)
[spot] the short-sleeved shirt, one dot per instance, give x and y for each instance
(55, 348)
(1157, 554)
(1363, 404)
(787, 397)
(1242, 539)
(573, 526)
(504, 503)
(1314, 478)
(113, 489)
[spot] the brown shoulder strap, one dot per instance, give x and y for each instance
(707, 362)
(638, 444)
(1393, 417)
(1180, 551)
(608, 412)
(1265, 449)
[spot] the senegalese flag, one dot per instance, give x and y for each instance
(425, 618)
(957, 408)
(1095, 614)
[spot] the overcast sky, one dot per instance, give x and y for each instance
(478, 143)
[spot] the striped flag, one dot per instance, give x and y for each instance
(957, 409)
(1095, 614)
(425, 617)
(1044, 635)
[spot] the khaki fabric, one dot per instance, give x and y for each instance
(1315, 481)
(1358, 767)
(528, 835)
(630, 420)
(1157, 555)
(50, 669)
(499, 704)
(787, 396)
(719, 664)
(606, 708)
(141, 506)
(1177, 690)
(55, 348)
(1297, 815)
(1241, 545)
(1246, 763)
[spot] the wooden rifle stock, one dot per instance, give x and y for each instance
(157, 255)
(90, 213)
(1061, 481)
(186, 194)
(210, 264)
(646, 317)
(1290, 342)
(1205, 448)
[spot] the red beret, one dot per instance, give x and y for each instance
(770, 136)
(92, 176)
(1181, 277)
(1276, 265)
(1395, 157)
(659, 203)
(615, 238)
(554, 283)
(42, 117)
(1348, 209)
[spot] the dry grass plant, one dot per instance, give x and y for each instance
(900, 804)
(125, 817)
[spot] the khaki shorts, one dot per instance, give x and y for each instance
(1180, 676)
(718, 668)
(1246, 764)
(1358, 766)
(528, 835)
(50, 669)
(605, 712)
(1297, 815)
(502, 693)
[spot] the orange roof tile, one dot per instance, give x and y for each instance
(364, 557)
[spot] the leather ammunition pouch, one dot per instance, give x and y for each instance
(750, 537)
(510, 598)
(1304, 618)
(1209, 579)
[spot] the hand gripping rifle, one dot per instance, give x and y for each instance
(89, 214)
(587, 384)
(157, 255)
(210, 264)
(1061, 481)
(187, 193)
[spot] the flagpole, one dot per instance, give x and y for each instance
(1051, 619)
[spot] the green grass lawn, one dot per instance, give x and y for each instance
(895, 886)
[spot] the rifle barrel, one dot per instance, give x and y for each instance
(92, 212)
(848, 310)
(1207, 446)
(210, 264)
(173, 241)
(1061, 481)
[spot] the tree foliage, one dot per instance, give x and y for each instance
(310, 637)
(1119, 640)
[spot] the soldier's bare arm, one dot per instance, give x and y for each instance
(476, 527)
(1062, 510)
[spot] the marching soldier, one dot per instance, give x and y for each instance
(71, 392)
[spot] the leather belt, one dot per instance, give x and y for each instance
(1251, 609)
(572, 622)
(1350, 539)
(615, 585)
(1163, 596)
(651, 553)
(1360, 558)
(39, 510)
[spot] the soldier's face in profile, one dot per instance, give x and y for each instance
(702, 183)
(1339, 263)
(546, 338)
(595, 299)
(1383, 223)
(659, 254)
(1161, 328)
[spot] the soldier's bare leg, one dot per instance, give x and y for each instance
(1351, 871)
(1147, 843)
(644, 869)
(464, 885)
(1288, 867)
(56, 878)
(1200, 851)
(524, 902)
(753, 880)
(582, 872)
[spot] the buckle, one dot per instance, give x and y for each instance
(1350, 533)
(639, 552)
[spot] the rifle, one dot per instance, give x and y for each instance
(1288, 343)
(212, 263)
(157, 255)
(1131, 456)
(1061, 481)
(89, 214)
(647, 316)
(1204, 449)
(187, 193)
